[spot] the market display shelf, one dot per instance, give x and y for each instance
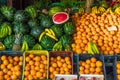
(109, 61)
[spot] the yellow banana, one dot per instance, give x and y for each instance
(81, 11)
(41, 35)
(48, 31)
(53, 37)
(26, 46)
(52, 32)
(117, 10)
(23, 47)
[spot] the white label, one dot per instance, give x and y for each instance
(112, 28)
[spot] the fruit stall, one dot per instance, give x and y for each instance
(60, 40)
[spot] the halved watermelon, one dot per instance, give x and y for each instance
(60, 17)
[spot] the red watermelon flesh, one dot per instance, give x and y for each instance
(60, 17)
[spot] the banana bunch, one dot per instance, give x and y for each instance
(2, 46)
(58, 46)
(81, 11)
(101, 10)
(48, 32)
(25, 46)
(5, 30)
(117, 10)
(92, 48)
(37, 47)
(95, 10)
(109, 10)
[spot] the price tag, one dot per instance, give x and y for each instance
(112, 28)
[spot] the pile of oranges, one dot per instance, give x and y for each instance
(118, 70)
(59, 65)
(36, 67)
(91, 66)
(11, 67)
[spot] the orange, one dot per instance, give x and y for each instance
(68, 62)
(99, 64)
(66, 69)
(93, 59)
(9, 66)
(27, 59)
(61, 69)
(87, 66)
(30, 77)
(45, 62)
(37, 68)
(1, 73)
(37, 58)
(20, 63)
(15, 63)
(62, 60)
(16, 58)
(18, 73)
(42, 70)
(32, 72)
(57, 69)
(27, 67)
(21, 58)
(5, 62)
(31, 56)
(39, 75)
(7, 76)
(92, 64)
(9, 73)
(3, 66)
(81, 68)
(86, 71)
(81, 72)
(42, 66)
(67, 59)
(69, 66)
(37, 63)
(83, 63)
(17, 68)
(98, 69)
(51, 59)
(5, 70)
(64, 65)
(118, 71)
(67, 72)
(62, 72)
(32, 67)
(118, 77)
(59, 63)
(96, 73)
(3, 58)
(88, 61)
(1, 78)
(51, 76)
(54, 65)
(58, 58)
(26, 73)
(55, 72)
(43, 57)
(11, 61)
(92, 69)
(31, 62)
(118, 65)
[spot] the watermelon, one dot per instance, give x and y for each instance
(60, 17)
(54, 10)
